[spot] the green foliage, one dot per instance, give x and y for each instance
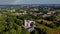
(19, 22)
(24, 31)
(12, 31)
(36, 32)
(2, 27)
(53, 25)
(12, 24)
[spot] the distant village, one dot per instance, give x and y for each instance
(40, 13)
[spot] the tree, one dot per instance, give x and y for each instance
(25, 31)
(12, 31)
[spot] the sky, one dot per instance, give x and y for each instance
(4, 2)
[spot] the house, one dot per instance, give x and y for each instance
(45, 15)
(36, 12)
(21, 12)
(13, 10)
(35, 9)
(51, 12)
(58, 19)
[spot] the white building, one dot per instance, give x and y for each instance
(27, 25)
